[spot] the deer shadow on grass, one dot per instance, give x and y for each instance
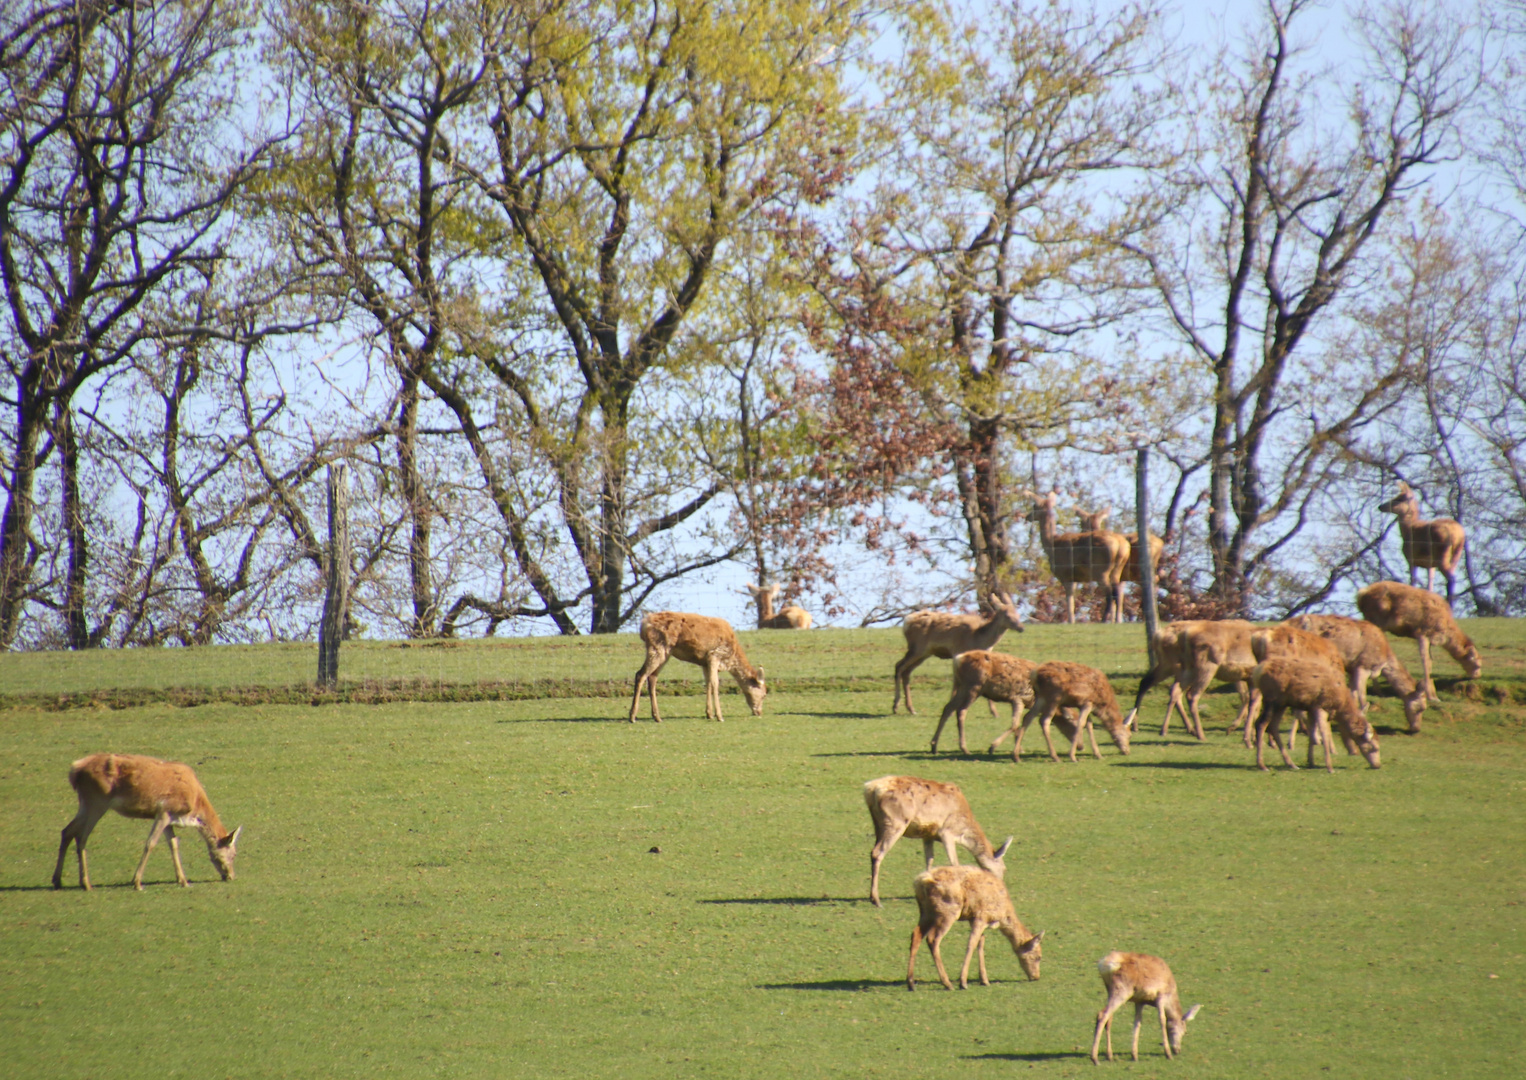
(849, 985)
(1185, 765)
(1051, 1055)
(791, 901)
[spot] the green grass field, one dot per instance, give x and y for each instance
(462, 887)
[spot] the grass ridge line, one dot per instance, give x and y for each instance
(389, 691)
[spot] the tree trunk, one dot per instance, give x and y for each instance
(336, 599)
(16, 555)
(420, 512)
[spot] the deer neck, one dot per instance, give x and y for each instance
(765, 608)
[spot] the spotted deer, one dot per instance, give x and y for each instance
(945, 635)
(1407, 611)
(1144, 980)
(925, 810)
(135, 786)
(994, 676)
(1320, 691)
(950, 894)
(1061, 684)
(702, 640)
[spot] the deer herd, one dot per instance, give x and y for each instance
(1315, 665)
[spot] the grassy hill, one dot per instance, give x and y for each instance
(465, 863)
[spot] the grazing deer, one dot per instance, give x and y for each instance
(702, 640)
(1097, 522)
(1144, 980)
(1217, 649)
(946, 635)
(1434, 545)
(1320, 691)
(789, 617)
(925, 810)
(1406, 611)
(1367, 653)
(1060, 684)
(969, 894)
(143, 787)
(1168, 665)
(1287, 642)
(994, 676)
(1080, 557)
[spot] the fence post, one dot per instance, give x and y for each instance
(336, 596)
(1146, 556)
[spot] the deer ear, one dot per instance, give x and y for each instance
(1002, 851)
(760, 674)
(1191, 1013)
(231, 840)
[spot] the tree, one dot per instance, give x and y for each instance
(119, 156)
(1288, 202)
(962, 304)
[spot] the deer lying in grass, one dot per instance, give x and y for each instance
(994, 676)
(946, 635)
(925, 810)
(1060, 684)
(1320, 691)
(789, 617)
(969, 894)
(1144, 980)
(1433, 545)
(1076, 558)
(1097, 522)
(143, 787)
(1406, 611)
(702, 640)
(1367, 653)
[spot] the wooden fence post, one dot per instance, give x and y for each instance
(1146, 556)
(336, 596)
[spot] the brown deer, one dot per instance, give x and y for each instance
(925, 810)
(946, 635)
(702, 640)
(1288, 642)
(1407, 611)
(994, 676)
(166, 792)
(789, 617)
(1433, 545)
(1319, 690)
(1081, 557)
(951, 894)
(1097, 522)
(1144, 980)
(1205, 650)
(1061, 684)
(1367, 653)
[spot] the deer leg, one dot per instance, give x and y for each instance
(903, 669)
(935, 939)
(713, 688)
(985, 980)
(877, 855)
(1105, 1023)
(1425, 667)
(1138, 1018)
(1275, 728)
(911, 964)
(1070, 601)
(1044, 727)
(1451, 577)
(169, 834)
(1081, 730)
(1261, 726)
(977, 931)
(948, 847)
(1021, 729)
(1165, 1039)
(161, 823)
(79, 831)
(1321, 720)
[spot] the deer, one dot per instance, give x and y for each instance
(950, 894)
(945, 635)
(1287, 642)
(1407, 611)
(1205, 650)
(696, 639)
(994, 676)
(1081, 557)
(1319, 690)
(926, 810)
(789, 617)
(1367, 653)
(1168, 645)
(1097, 522)
(1144, 980)
(167, 792)
(1061, 684)
(1433, 545)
